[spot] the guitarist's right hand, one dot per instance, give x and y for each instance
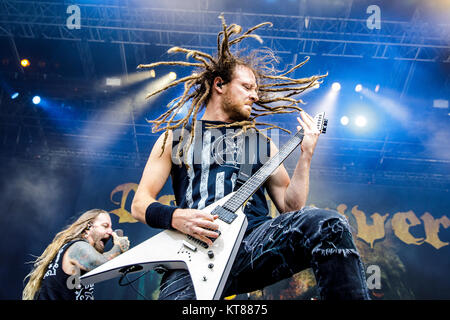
(196, 224)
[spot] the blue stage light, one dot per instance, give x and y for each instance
(361, 121)
(14, 95)
(36, 99)
(345, 120)
(358, 88)
(172, 76)
(336, 86)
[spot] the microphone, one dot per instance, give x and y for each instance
(119, 232)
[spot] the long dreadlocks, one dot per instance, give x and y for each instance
(273, 86)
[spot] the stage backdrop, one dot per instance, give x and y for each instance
(401, 231)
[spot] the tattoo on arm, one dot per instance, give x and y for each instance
(87, 258)
(114, 252)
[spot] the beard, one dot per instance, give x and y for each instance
(99, 242)
(236, 111)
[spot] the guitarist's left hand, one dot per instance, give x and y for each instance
(311, 133)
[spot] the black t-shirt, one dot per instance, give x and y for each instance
(55, 286)
(214, 161)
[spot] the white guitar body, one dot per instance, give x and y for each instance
(175, 250)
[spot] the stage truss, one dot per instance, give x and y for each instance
(29, 134)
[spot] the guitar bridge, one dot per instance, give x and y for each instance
(224, 214)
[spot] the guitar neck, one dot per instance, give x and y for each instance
(257, 180)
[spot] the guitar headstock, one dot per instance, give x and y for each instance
(321, 122)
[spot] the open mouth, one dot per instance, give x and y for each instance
(104, 241)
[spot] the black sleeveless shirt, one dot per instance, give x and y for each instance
(54, 285)
(213, 162)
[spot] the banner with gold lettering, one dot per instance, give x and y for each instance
(402, 232)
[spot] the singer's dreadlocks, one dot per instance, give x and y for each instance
(273, 86)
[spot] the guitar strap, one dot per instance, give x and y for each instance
(245, 170)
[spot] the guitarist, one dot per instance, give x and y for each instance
(273, 248)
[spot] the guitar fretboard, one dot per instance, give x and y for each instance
(257, 180)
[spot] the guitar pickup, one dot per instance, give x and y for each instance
(199, 242)
(224, 214)
(204, 244)
(214, 239)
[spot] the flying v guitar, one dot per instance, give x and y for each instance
(209, 267)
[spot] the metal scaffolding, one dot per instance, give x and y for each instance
(310, 35)
(28, 133)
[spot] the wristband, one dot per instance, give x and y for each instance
(158, 215)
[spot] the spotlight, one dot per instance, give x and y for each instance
(361, 121)
(113, 82)
(358, 88)
(36, 99)
(306, 22)
(336, 86)
(14, 95)
(345, 120)
(172, 76)
(377, 88)
(440, 104)
(25, 63)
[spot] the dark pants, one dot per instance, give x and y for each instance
(279, 248)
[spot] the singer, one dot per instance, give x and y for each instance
(77, 249)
